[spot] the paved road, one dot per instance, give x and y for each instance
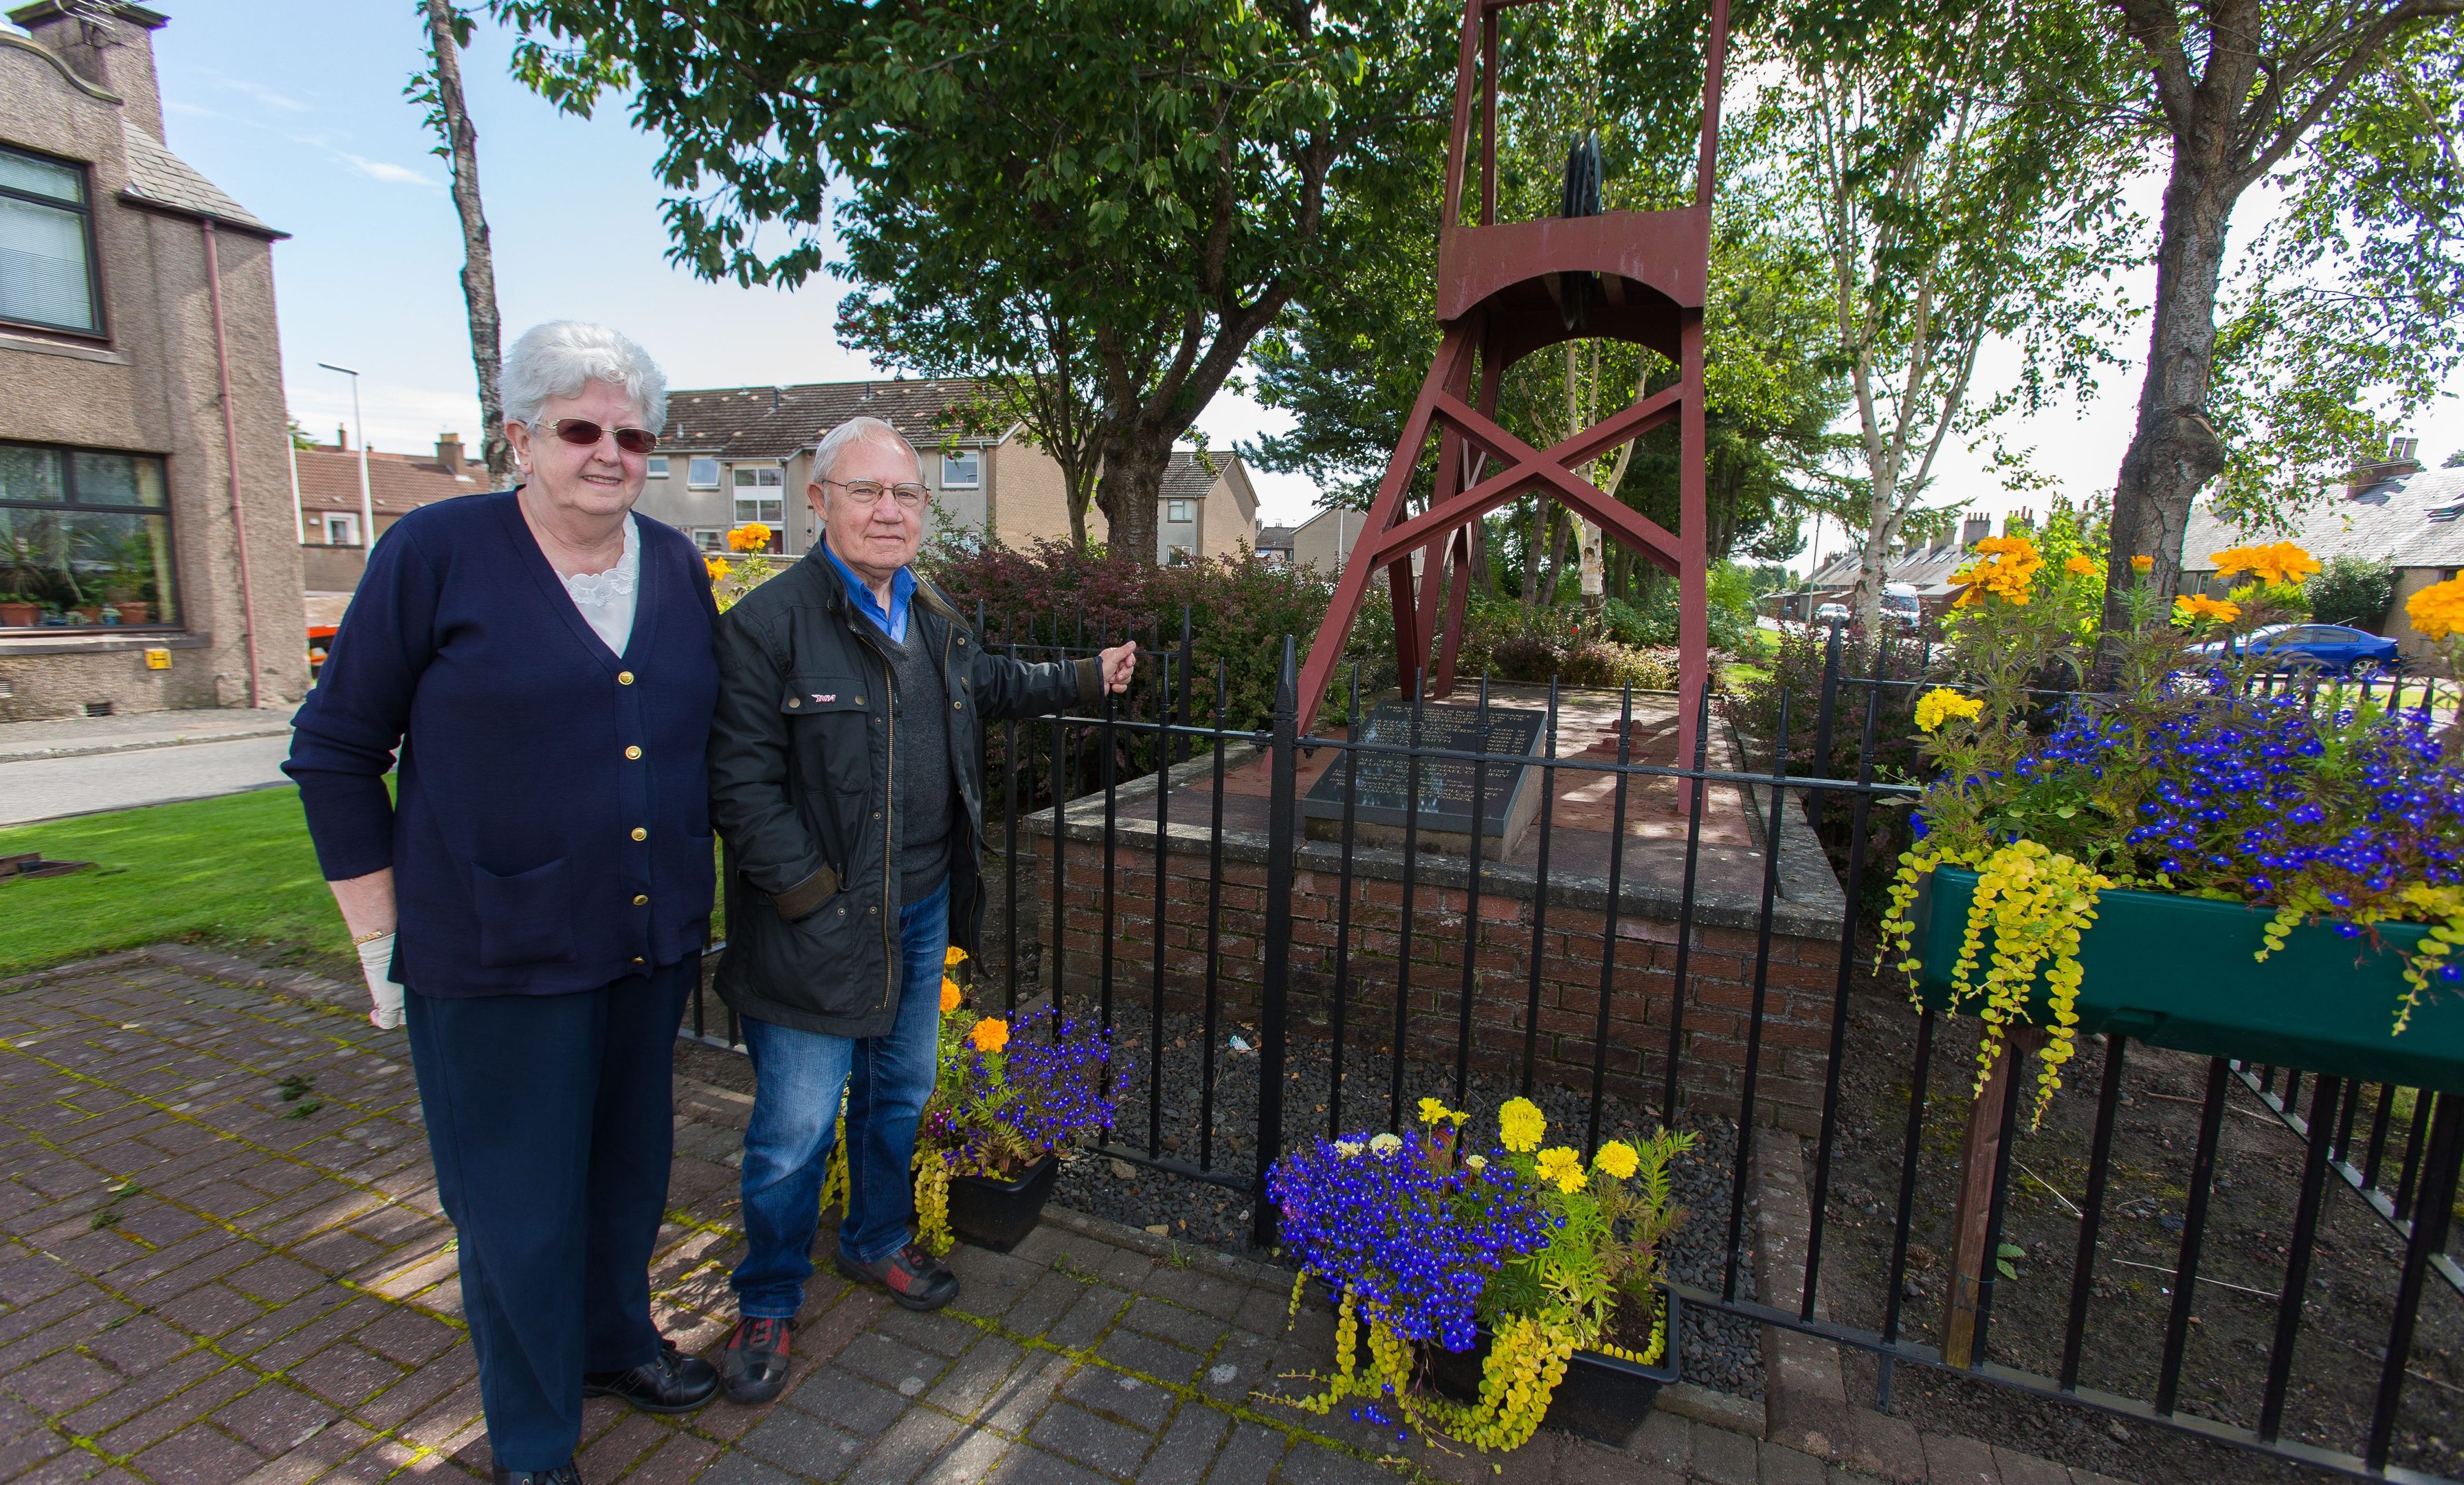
(44, 788)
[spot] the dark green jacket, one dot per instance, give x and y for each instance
(803, 792)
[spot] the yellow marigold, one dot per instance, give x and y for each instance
(953, 955)
(1941, 704)
(1618, 1160)
(718, 566)
(2008, 571)
(949, 995)
(751, 537)
(1562, 1166)
(1520, 1125)
(2080, 564)
(2199, 606)
(990, 1034)
(2437, 612)
(2277, 561)
(2142, 564)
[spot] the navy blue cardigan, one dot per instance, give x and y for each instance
(552, 829)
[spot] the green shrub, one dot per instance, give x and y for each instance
(2351, 590)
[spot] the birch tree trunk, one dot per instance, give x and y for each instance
(478, 262)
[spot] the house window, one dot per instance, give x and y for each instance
(962, 470)
(341, 530)
(1175, 557)
(709, 539)
(760, 496)
(701, 474)
(86, 540)
(47, 245)
(658, 466)
(1178, 510)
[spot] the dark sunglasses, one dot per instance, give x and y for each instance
(582, 433)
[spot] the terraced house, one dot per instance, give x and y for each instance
(732, 457)
(148, 558)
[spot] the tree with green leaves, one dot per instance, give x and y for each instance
(1157, 172)
(438, 86)
(2345, 315)
(1953, 206)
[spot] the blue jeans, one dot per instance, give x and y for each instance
(797, 1078)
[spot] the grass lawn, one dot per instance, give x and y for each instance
(236, 870)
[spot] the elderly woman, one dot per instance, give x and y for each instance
(540, 883)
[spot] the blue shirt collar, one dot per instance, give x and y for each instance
(902, 588)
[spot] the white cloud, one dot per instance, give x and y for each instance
(265, 97)
(392, 174)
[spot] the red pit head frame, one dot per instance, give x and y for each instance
(1498, 302)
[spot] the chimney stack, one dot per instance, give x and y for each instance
(111, 46)
(448, 451)
(1974, 529)
(2398, 463)
(343, 437)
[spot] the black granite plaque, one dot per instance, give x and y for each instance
(1384, 797)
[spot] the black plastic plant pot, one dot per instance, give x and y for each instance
(991, 1212)
(1602, 1397)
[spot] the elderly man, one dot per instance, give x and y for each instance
(842, 778)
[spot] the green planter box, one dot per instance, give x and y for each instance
(2178, 972)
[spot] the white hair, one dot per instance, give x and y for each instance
(855, 431)
(560, 358)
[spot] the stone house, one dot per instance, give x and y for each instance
(2393, 510)
(731, 457)
(148, 558)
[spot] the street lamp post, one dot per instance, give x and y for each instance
(360, 431)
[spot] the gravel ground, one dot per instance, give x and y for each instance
(1720, 1352)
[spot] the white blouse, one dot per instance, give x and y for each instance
(605, 599)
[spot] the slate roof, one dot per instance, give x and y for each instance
(158, 177)
(398, 483)
(1185, 479)
(1276, 539)
(774, 422)
(1927, 568)
(2415, 520)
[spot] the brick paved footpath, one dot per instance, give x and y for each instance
(204, 1283)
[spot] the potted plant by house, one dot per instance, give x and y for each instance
(1522, 1285)
(132, 571)
(2199, 857)
(1003, 1109)
(17, 610)
(24, 575)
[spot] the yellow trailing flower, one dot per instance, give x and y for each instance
(2275, 563)
(991, 1034)
(2080, 564)
(2199, 607)
(1618, 1159)
(1941, 704)
(2437, 612)
(1520, 1125)
(1563, 1168)
(751, 537)
(932, 1201)
(949, 995)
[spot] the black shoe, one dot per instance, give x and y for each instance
(914, 1277)
(566, 1474)
(753, 1364)
(668, 1382)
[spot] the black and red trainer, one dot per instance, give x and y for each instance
(914, 1278)
(752, 1367)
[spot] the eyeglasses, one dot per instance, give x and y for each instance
(582, 433)
(911, 497)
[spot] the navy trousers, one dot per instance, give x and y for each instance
(550, 1120)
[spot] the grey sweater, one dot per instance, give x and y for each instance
(921, 737)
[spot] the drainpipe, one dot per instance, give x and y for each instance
(231, 456)
(298, 517)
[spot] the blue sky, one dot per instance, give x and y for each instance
(295, 109)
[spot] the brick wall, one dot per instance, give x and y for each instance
(1796, 1022)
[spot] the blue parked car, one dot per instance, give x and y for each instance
(2335, 648)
